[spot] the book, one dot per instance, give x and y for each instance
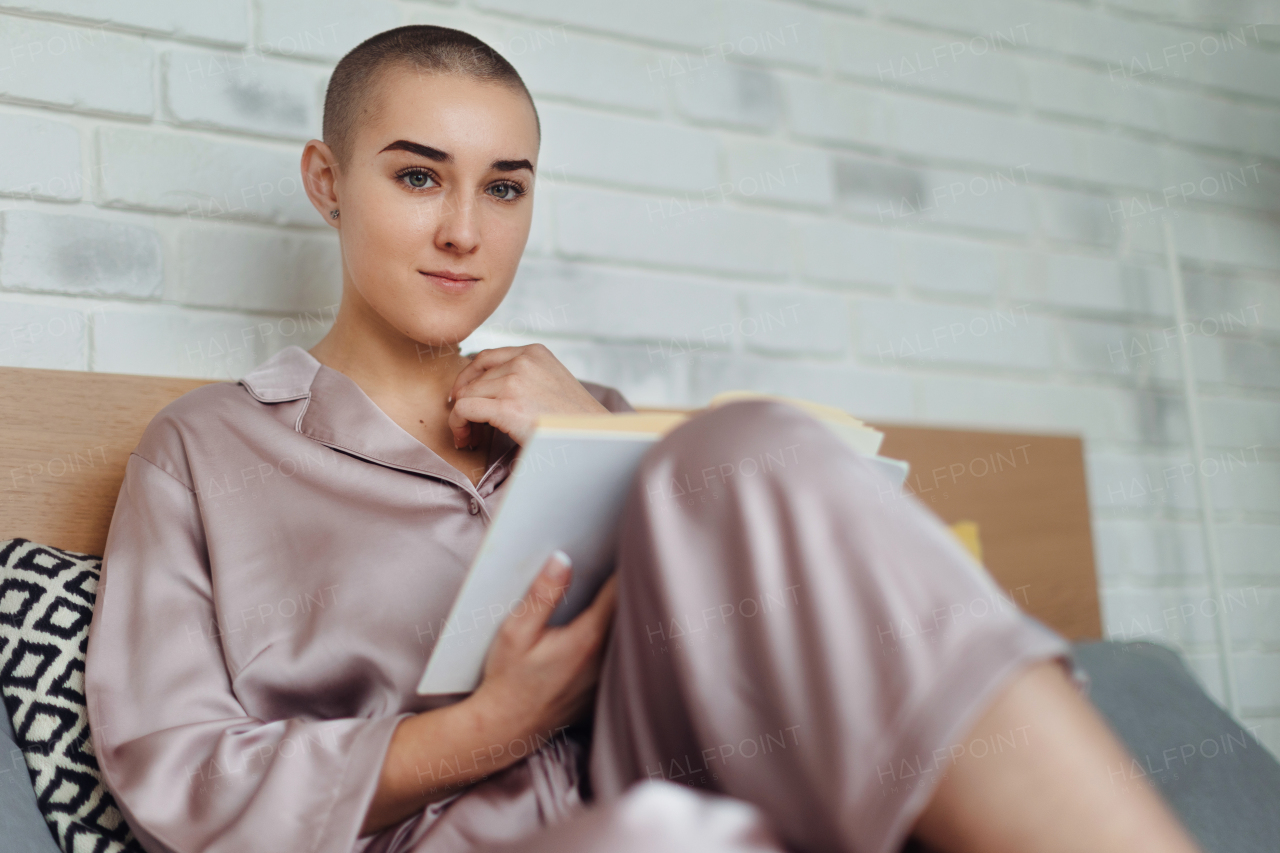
(567, 492)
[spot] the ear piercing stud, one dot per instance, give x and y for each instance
(333, 214)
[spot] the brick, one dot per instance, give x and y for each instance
(951, 132)
(578, 143)
(1147, 551)
(1258, 681)
(76, 67)
(691, 25)
(794, 322)
(168, 341)
(1012, 19)
(1244, 181)
(79, 255)
(613, 226)
(1227, 239)
(891, 56)
(1250, 364)
(849, 255)
(321, 28)
(1139, 353)
(203, 179)
(1235, 422)
(1118, 161)
(866, 394)
(995, 200)
(880, 189)
(1158, 615)
(1186, 617)
(948, 266)
(553, 62)
(1248, 552)
(1242, 480)
(1076, 217)
(834, 112)
(992, 200)
(1148, 482)
(238, 267)
(243, 91)
(1207, 121)
(1080, 281)
(727, 93)
(1218, 59)
(1055, 87)
(1098, 413)
(224, 23)
(669, 312)
(789, 174)
(771, 31)
(42, 159)
(895, 332)
(41, 334)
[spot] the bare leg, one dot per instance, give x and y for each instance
(1055, 791)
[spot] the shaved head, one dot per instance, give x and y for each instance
(353, 94)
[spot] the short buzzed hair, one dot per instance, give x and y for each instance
(424, 48)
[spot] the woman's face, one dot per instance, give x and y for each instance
(436, 202)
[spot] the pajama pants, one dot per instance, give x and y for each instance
(799, 651)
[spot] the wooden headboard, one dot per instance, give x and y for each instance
(65, 437)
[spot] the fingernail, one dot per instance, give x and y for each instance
(563, 558)
(450, 398)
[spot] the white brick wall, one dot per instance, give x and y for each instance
(930, 210)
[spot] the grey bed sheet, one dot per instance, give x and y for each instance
(1222, 783)
(22, 827)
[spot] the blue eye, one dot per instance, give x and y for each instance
(416, 178)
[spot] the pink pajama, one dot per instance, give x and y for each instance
(784, 637)
(794, 659)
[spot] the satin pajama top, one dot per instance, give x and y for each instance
(279, 564)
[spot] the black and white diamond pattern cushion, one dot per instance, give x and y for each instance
(46, 601)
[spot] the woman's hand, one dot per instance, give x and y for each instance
(509, 387)
(539, 678)
(536, 680)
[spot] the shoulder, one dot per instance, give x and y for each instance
(165, 440)
(609, 397)
(221, 412)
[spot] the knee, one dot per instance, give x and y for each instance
(742, 430)
(729, 444)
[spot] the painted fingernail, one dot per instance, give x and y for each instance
(563, 561)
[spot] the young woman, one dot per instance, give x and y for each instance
(285, 548)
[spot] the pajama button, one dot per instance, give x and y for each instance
(475, 507)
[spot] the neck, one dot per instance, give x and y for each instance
(382, 360)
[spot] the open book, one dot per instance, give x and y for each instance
(567, 492)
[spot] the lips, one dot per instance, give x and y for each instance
(449, 280)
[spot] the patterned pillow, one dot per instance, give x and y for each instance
(46, 601)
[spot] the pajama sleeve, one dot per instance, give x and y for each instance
(188, 767)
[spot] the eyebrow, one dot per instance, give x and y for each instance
(444, 157)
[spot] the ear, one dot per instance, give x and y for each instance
(320, 178)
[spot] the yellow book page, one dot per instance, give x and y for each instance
(967, 533)
(819, 410)
(658, 423)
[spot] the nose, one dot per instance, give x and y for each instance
(457, 230)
